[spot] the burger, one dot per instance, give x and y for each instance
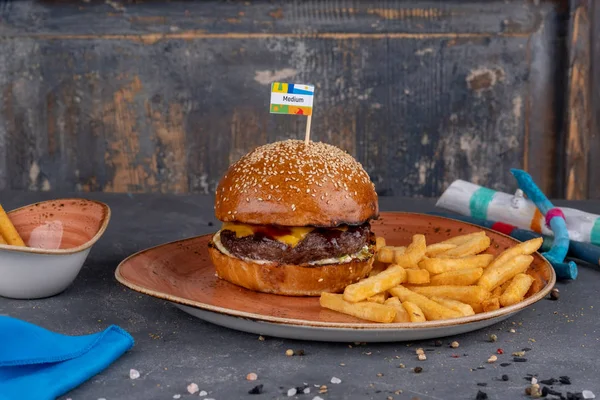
(296, 220)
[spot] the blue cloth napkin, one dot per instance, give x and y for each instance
(38, 364)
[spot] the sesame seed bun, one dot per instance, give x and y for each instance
(288, 279)
(290, 183)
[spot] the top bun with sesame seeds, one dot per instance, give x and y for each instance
(290, 183)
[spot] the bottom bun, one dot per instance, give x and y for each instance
(288, 279)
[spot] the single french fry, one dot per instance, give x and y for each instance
(515, 292)
(466, 294)
(401, 314)
(413, 254)
(386, 255)
(417, 276)
(475, 245)
(458, 240)
(399, 252)
(441, 265)
(524, 248)
(377, 298)
(504, 286)
(379, 243)
(434, 249)
(497, 292)
(496, 275)
(491, 304)
(477, 307)
(432, 310)
(461, 277)
(392, 276)
(392, 300)
(8, 231)
(455, 305)
(363, 310)
(414, 312)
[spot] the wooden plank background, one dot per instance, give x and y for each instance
(162, 96)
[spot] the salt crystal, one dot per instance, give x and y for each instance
(202, 393)
(336, 380)
(192, 388)
(134, 374)
(588, 394)
(533, 381)
(251, 376)
(291, 392)
(306, 390)
(176, 396)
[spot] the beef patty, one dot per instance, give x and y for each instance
(319, 244)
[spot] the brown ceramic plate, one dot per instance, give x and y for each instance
(181, 272)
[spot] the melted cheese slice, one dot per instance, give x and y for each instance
(296, 234)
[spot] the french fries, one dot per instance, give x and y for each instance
(455, 305)
(475, 245)
(450, 279)
(373, 285)
(364, 310)
(433, 311)
(2, 241)
(387, 253)
(466, 294)
(461, 277)
(414, 312)
(498, 274)
(377, 298)
(8, 232)
(413, 254)
(434, 249)
(516, 290)
(417, 276)
(441, 265)
(401, 313)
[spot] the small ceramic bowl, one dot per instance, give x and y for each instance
(59, 235)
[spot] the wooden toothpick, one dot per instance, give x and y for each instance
(307, 135)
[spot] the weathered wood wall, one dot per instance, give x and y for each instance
(151, 96)
(579, 102)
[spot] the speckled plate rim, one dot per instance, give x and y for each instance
(346, 325)
(73, 250)
(335, 334)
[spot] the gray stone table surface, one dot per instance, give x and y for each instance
(174, 349)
